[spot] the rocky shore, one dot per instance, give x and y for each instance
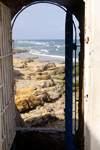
(15, 51)
(39, 92)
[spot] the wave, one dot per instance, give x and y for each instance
(34, 51)
(58, 46)
(44, 50)
(56, 56)
(31, 42)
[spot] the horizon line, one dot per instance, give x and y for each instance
(40, 39)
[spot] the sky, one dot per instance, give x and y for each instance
(40, 21)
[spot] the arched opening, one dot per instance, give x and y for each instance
(75, 66)
(78, 10)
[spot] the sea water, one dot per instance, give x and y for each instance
(51, 48)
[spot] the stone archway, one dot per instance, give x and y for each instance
(77, 8)
(79, 13)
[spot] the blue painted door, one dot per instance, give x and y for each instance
(68, 79)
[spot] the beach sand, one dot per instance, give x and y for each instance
(40, 57)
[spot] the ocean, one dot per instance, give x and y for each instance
(44, 48)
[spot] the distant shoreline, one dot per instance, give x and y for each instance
(42, 57)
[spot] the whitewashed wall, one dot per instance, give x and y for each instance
(92, 75)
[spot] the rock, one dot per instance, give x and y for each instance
(59, 112)
(41, 73)
(38, 92)
(20, 51)
(50, 65)
(27, 102)
(54, 88)
(55, 95)
(55, 71)
(34, 121)
(40, 68)
(28, 60)
(18, 119)
(48, 83)
(19, 63)
(52, 72)
(25, 91)
(60, 70)
(42, 95)
(40, 121)
(49, 118)
(17, 73)
(45, 97)
(27, 77)
(43, 77)
(44, 83)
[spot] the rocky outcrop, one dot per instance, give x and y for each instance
(24, 91)
(27, 102)
(50, 65)
(37, 93)
(19, 64)
(43, 77)
(44, 83)
(18, 119)
(42, 95)
(55, 95)
(40, 121)
(20, 51)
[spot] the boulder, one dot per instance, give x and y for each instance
(19, 63)
(55, 95)
(25, 91)
(40, 121)
(28, 60)
(43, 96)
(48, 83)
(27, 102)
(43, 77)
(40, 68)
(50, 65)
(56, 88)
(60, 70)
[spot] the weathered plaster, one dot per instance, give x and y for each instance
(92, 76)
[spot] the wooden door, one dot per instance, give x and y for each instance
(7, 105)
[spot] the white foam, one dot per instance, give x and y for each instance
(56, 56)
(58, 46)
(44, 50)
(34, 51)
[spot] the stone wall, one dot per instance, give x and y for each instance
(40, 139)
